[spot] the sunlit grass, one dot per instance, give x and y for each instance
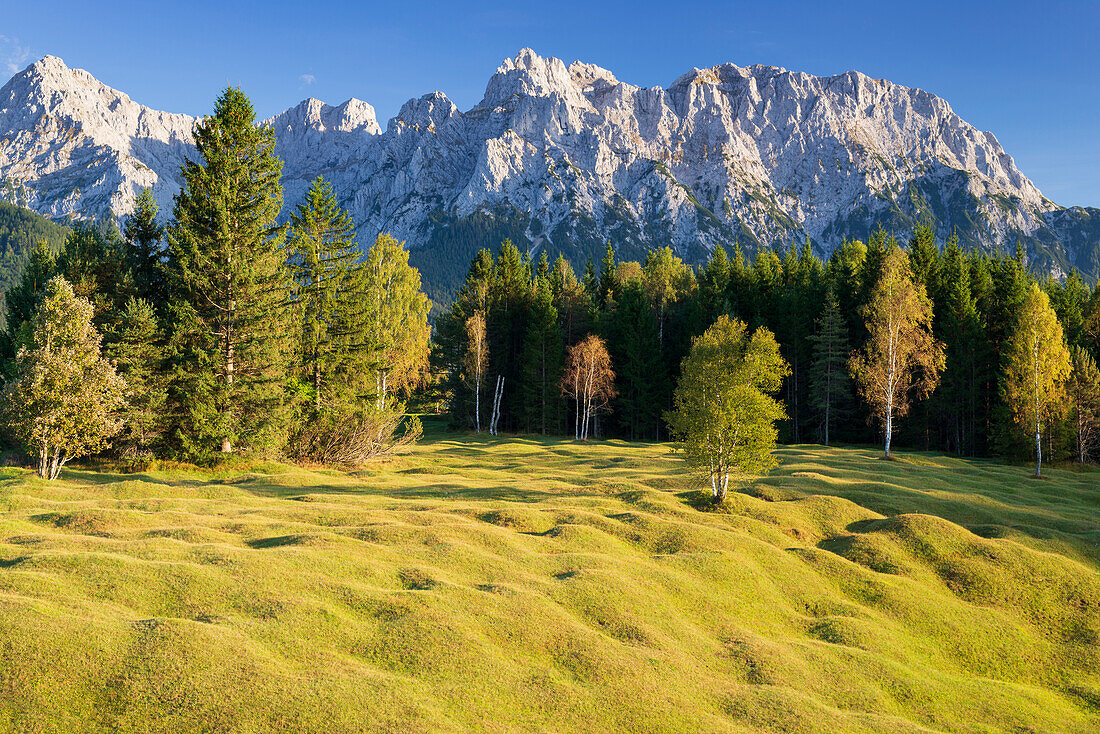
(515, 585)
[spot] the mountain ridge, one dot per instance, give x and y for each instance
(565, 157)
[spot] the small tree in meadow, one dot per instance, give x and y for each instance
(589, 380)
(63, 404)
(901, 359)
(724, 415)
(1038, 369)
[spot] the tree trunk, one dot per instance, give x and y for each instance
(1038, 451)
(227, 446)
(889, 430)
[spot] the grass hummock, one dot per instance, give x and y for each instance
(535, 585)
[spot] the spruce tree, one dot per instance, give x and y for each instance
(231, 342)
(609, 283)
(830, 386)
(136, 345)
(641, 377)
(330, 293)
(714, 282)
(542, 355)
(145, 252)
(21, 301)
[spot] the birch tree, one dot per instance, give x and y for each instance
(724, 414)
(477, 358)
(1085, 394)
(64, 401)
(399, 319)
(901, 360)
(1038, 368)
(589, 380)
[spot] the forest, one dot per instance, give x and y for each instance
(648, 314)
(219, 333)
(226, 331)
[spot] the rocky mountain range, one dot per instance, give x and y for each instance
(565, 157)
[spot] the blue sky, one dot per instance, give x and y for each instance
(1026, 71)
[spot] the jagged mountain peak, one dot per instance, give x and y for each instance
(566, 157)
(529, 75)
(428, 112)
(354, 115)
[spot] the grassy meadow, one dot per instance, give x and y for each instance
(531, 585)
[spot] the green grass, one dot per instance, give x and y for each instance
(520, 585)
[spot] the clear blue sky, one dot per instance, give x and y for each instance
(1027, 71)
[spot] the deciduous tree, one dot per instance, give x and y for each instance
(901, 359)
(1085, 395)
(1038, 368)
(724, 415)
(589, 380)
(63, 403)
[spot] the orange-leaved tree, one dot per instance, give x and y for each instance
(901, 359)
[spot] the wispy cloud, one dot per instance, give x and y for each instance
(13, 54)
(307, 79)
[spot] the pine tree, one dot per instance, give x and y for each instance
(830, 387)
(231, 342)
(506, 326)
(641, 376)
(330, 300)
(63, 403)
(959, 326)
(1070, 301)
(714, 284)
(609, 283)
(21, 301)
(95, 263)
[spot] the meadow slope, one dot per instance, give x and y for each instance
(528, 585)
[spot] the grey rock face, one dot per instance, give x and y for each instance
(759, 154)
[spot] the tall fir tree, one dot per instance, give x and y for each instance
(231, 344)
(641, 378)
(609, 282)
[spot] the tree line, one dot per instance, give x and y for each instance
(913, 343)
(221, 331)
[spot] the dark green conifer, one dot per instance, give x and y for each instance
(135, 342)
(231, 342)
(145, 254)
(329, 299)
